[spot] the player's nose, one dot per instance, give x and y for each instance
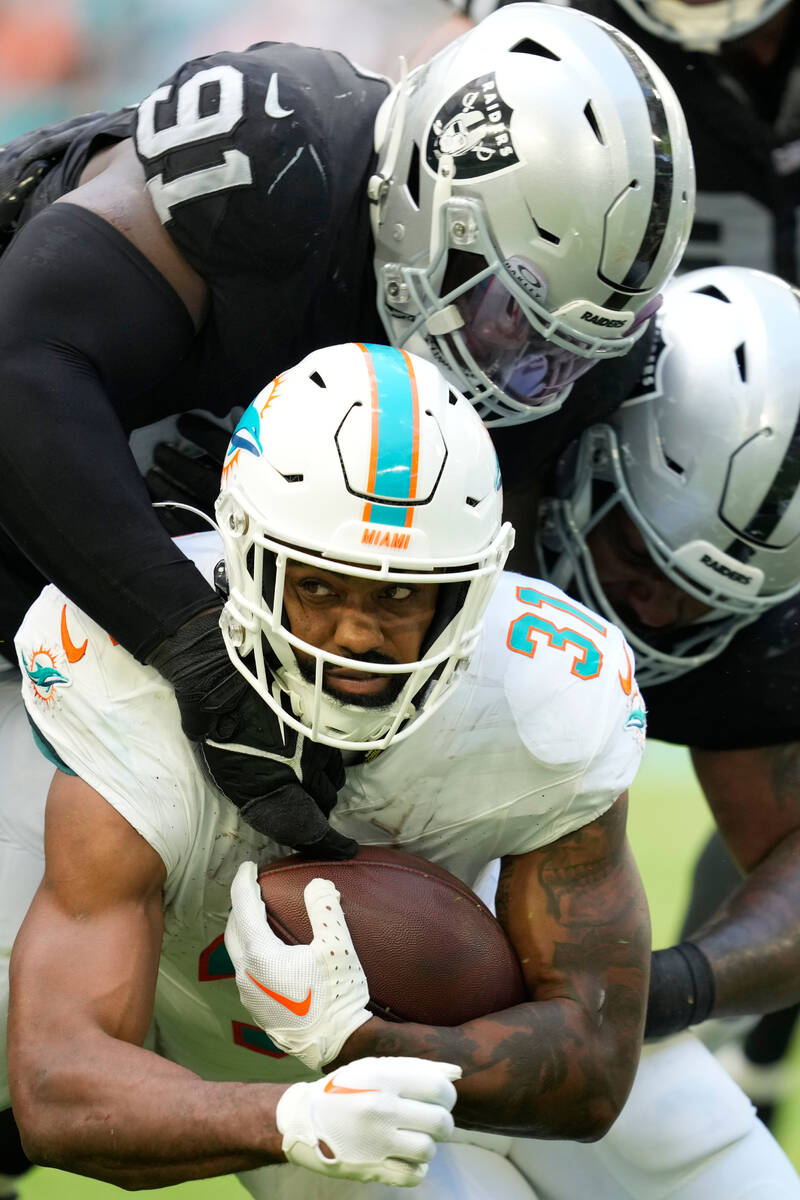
(357, 631)
(656, 602)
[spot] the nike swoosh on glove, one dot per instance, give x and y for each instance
(374, 1120)
(283, 784)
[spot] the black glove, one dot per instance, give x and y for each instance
(189, 472)
(284, 784)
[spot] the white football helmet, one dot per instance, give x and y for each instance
(534, 191)
(364, 461)
(705, 459)
(701, 26)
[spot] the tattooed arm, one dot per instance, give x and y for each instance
(753, 942)
(560, 1066)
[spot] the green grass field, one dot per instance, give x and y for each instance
(668, 824)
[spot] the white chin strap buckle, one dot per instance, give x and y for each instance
(445, 321)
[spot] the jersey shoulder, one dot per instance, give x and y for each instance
(255, 153)
(109, 719)
(545, 731)
(567, 677)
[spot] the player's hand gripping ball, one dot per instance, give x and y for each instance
(431, 951)
(308, 998)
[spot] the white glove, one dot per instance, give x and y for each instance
(309, 999)
(374, 1120)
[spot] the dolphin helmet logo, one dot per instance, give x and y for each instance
(245, 437)
(247, 434)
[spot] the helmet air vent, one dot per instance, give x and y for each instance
(741, 361)
(528, 46)
(412, 179)
(670, 463)
(714, 293)
(541, 232)
(591, 117)
(547, 235)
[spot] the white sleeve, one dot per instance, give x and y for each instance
(584, 734)
(618, 753)
(112, 721)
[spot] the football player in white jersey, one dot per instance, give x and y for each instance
(199, 1021)
(482, 715)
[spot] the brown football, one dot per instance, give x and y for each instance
(431, 950)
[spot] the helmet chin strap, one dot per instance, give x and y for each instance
(187, 508)
(347, 721)
(378, 184)
(442, 190)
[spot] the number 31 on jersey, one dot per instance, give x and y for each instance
(584, 642)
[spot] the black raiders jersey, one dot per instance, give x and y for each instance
(748, 696)
(257, 164)
(744, 123)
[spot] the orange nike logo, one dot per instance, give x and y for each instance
(74, 653)
(626, 681)
(330, 1086)
(298, 1007)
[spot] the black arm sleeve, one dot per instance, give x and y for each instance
(88, 331)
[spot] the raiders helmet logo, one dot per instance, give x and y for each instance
(473, 128)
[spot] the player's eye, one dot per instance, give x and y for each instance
(315, 587)
(400, 592)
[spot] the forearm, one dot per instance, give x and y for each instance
(101, 543)
(753, 942)
(562, 1065)
(74, 379)
(86, 1094)
(86, 1114)
(542, 1070)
